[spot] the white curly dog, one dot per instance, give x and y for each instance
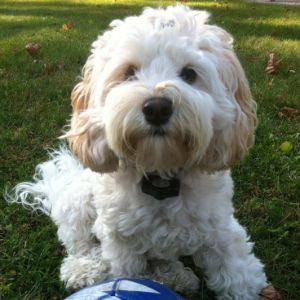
(162, 111)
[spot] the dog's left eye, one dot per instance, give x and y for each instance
(130, 73)
(188, 75)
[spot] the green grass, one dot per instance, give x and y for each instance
(35, 107)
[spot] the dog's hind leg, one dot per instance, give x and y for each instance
(75, 217)
(62, 189)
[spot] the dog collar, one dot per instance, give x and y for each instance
(160, 188)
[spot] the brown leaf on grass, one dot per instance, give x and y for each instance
(273, 63)
(49, 68)
(33, 48)
(270, 293)
(67, 26)
(288, 112)
(274, 33)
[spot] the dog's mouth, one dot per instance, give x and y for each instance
(158, 131)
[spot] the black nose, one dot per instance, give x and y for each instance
(157, 110)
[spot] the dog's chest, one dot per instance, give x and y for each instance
(163, 229)
(171, 227)
(176, 234)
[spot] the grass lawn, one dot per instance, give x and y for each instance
(34, 99)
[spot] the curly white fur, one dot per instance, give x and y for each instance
(109, 227)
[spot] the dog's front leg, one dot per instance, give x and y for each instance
(232, 270)
(124, 260)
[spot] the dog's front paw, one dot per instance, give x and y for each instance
(175, 275)
(80, 271)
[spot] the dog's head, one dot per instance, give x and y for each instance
(162, 91)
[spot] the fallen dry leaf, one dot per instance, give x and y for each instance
(288, 112)
(270, 293)
(67, 26)
(273, 64)
(274, 33)
(49, 68)
(33, 48)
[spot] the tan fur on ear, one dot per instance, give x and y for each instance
(94, 152)
(231, 144)
(88, 141)
(245, 124)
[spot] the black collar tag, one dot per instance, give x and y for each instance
(160, 188)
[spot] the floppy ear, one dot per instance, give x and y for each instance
(230, 144)
(87, 136)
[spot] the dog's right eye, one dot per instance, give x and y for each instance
(130, 73)
(188, 75)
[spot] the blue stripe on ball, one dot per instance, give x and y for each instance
(126, 289)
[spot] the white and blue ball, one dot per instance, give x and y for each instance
(126, 289)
